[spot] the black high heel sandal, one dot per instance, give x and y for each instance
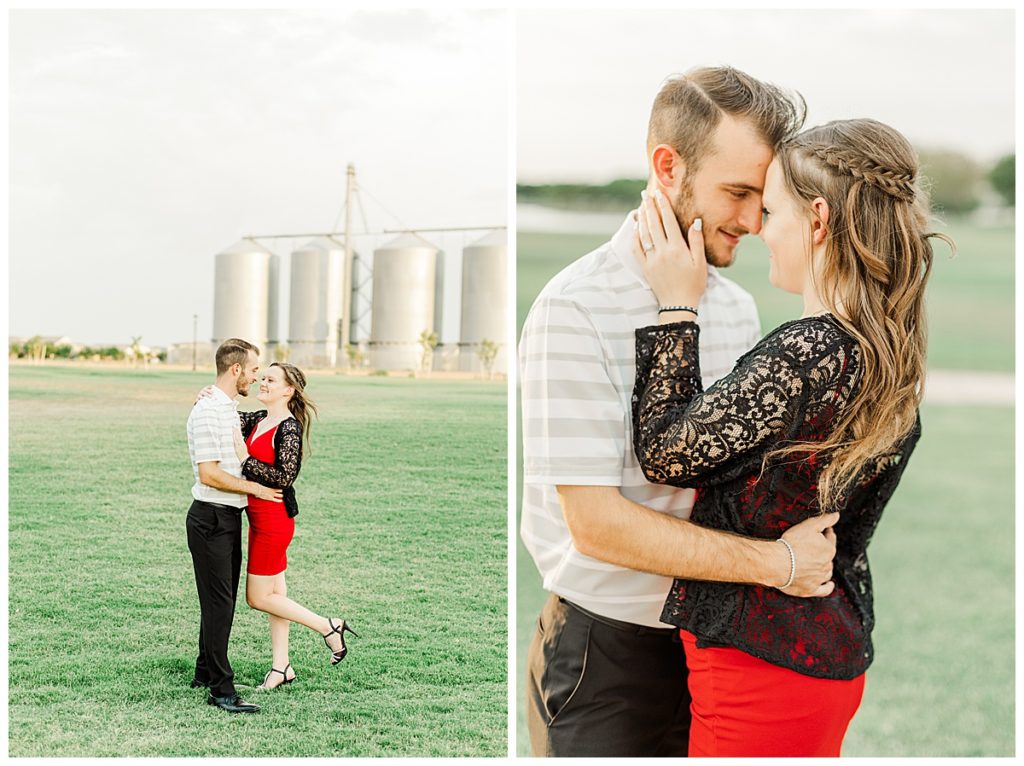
(263, 686)
(338, 656)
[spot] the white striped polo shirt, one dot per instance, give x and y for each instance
(209, 430)
(577, 364)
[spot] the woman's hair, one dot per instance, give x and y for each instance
(872, 278)
(299, 405)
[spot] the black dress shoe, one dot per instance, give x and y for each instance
(233, 704)
(197, 684)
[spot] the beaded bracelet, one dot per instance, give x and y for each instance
(691, 309)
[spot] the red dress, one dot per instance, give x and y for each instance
(745, 707)
(270, 527)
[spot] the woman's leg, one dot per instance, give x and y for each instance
(279, 630)
(261, 594)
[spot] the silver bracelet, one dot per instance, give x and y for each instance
(691, 309)
(792, 564)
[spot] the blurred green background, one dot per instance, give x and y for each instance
(942, 683)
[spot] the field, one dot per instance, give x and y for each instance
(402, 530)
(942, 683)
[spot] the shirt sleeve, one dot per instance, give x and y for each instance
(205, 429)
(574, 416)
(685, 436)
(287, 458)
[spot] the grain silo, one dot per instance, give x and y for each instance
(273, 305)
(404, 297)
(318, 280)
(484, 300)
(242, 292)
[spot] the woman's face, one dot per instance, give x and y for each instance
(786, 230)
(273, 387)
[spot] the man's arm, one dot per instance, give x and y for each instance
(212, 475)
(606, 526)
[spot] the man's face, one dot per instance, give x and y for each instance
(726, 190)
(248, 374)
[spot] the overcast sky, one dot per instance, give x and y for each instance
(144, 142)
(585, 81)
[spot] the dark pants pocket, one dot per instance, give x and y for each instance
(564, 648)
(595, 690)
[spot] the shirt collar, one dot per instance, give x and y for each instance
(221, 398)
(622, 247)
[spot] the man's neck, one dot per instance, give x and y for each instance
(228, 385)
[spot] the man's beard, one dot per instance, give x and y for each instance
(243, 389)
(685, 210)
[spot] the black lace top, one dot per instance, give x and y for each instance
(287, 457)
(792, 386)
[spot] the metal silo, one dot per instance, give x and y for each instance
(484, 300)
(241, 294)
(273, 307)
(315, 310)
(404, 285)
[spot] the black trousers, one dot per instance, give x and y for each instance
(215, 541)
(600, 687)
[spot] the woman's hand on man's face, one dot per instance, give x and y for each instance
(676, 271)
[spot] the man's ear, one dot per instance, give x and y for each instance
(819, 226)
(668, 167)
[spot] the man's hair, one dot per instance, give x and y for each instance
(689, 107)
(234, 351)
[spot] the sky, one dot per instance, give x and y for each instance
(585, 81)
(142, 143)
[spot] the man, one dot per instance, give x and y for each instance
(214, 521)
(605, 676)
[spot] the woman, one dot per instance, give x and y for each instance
(820, 415)
(270, 445)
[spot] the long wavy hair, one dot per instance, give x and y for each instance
(877, 259)
(301, 406)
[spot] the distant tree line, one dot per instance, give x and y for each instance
(624, 192)
(38, 349)
(955, 180)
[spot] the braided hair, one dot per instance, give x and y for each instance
(895, 183)
(301, 406)
(876, 263)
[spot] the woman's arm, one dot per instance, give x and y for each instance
(688, 437)
(249, 421)
(287, 458)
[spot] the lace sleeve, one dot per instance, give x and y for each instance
(249, 421)
(688, 437)
(287, 458)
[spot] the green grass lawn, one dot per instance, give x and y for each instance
(970, 297)
(943, 560)
(402, 530)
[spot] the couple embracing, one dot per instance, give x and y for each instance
(699, 500)
(248, 461)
